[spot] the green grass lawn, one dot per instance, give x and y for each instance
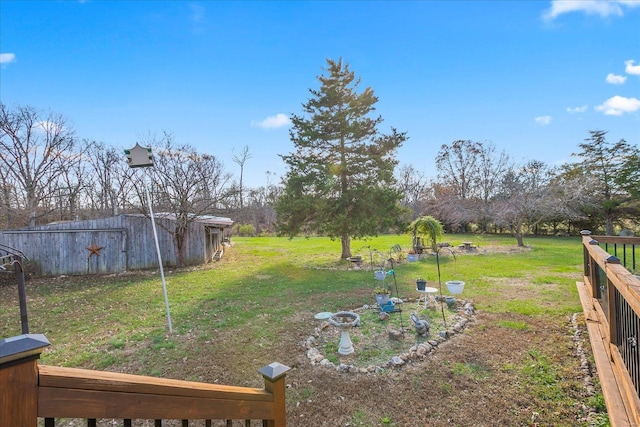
(236, 314)
(269, 277)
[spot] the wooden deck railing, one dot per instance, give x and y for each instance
(610, 297)
(29, 391)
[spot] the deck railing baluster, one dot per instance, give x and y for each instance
(614, 330)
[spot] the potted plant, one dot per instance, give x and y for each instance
(382, 295)
(379, 274)
(421, 284)
(455, 286)
(430, 228)
(412, 256)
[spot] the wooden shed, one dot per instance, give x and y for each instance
(114, 245)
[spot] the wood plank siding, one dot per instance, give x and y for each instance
(125, 242)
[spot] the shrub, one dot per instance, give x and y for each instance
(246, 230)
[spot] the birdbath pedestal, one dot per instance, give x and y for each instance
(345, 320)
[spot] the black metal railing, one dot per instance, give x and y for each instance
(602, 293)
(626, 339)
(610, 297)
(626, 249)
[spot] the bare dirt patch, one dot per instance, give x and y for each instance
(473, 379)
(488, 375)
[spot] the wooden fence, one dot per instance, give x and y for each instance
(610, 297)
(30, 392)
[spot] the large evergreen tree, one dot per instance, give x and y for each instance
(339, 180)
(612, 166)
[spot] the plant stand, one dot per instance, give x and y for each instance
(427, 291)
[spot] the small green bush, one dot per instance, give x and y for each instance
(245, 230)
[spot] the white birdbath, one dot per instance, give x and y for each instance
(345, 320)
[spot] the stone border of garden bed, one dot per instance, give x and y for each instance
(416, 352)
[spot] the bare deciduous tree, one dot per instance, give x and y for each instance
(525, 200)
(111, 176)
(492, 168)
(8, 199)
(35, 150)
(241, 159)
(458, 166)
(186, 184)
(413, 185)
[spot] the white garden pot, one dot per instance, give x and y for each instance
(455, 286)
(382, 299)
(380, 274)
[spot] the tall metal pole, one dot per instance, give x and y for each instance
(155, 235)
(22, 293)
(140, 157)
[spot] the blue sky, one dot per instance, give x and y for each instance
(531, 77)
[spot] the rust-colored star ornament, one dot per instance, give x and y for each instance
(94, 249)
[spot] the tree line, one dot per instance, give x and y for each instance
(342, 180)
(479, 189)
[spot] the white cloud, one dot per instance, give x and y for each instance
(618, 105)
(580, 109)
(48, 127)
(543, 120)
(273, 122)
(615, 79)
(603, 8)
(632, 69)
(7, 58)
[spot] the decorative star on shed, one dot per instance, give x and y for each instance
(94, 249)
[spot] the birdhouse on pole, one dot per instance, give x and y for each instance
(139, 157)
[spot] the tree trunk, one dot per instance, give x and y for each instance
(6, 205)
(113, 201)
(608, 224)
(516, 231)
(180, 237)
(31, 208)
(346, 246)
